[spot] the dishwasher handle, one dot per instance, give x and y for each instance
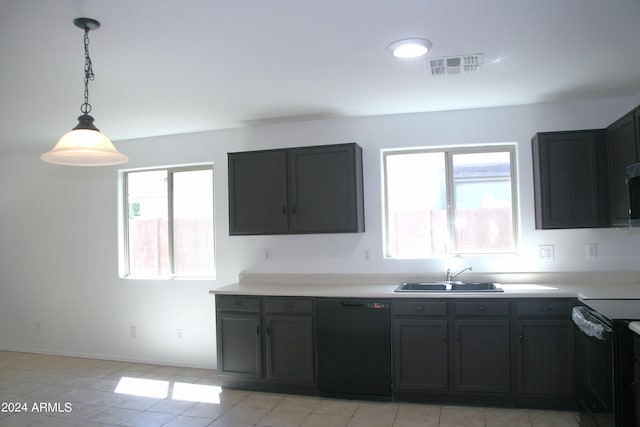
(347, 304)
(367, 305)
(589, 325)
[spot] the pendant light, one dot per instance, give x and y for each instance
(85, 145)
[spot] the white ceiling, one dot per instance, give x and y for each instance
(165, 67)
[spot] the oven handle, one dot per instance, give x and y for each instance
(589, 325)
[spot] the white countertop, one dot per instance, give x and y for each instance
(569, 285)
(635, 327)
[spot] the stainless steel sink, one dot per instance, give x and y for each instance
(475, 287)
(422, 287)
(448, 287)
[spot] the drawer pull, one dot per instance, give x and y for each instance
(289, 306)
(548, 308)
(419, 307)
(481, 308)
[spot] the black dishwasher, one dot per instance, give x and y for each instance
(354, 348)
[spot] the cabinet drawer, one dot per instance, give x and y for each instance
(482, 308)
(237, 303)
(288, 305)
(419, 308)
(545, 308)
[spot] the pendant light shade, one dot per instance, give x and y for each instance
(85, 145)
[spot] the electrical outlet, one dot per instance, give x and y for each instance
(133, 331)
(545, 251)
(268, 254)
(180, 334)
(366, 255)
(592, 250)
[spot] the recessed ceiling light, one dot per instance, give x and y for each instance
(410, 48)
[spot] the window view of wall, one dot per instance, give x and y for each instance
(454, 201)
(169, 227)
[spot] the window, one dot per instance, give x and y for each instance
(169, 222)
(452, 201)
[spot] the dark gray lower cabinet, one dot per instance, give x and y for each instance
(513, 352)
(239, 337)
(545, 353)
(265, 341)
(420, 345)
(240, 345)
(636, 374)
(422, 355)
(545, 357)
(428, 364)
(482, 355)
(289, 346)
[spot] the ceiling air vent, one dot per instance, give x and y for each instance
(460, 64)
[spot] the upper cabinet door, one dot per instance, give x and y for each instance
(571, 179)
(325, 189)
(621, 142)
(258, 192)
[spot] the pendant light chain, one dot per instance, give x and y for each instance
(88, 73)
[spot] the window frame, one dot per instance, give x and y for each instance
(123, 234)
(449, 152)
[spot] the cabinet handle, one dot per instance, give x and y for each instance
(481, 308)
(293, 209)
(284, 209)
(268, 331)
(289, 306)
(419, 307)
(549, 308)
(520, 338)
(258, 330)
(445, 338)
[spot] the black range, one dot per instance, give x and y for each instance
(606, 386)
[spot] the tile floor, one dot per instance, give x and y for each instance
(52, 391)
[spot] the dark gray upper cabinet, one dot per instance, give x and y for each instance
(258, 192)
(621, 143)
(571, 179)
(315, 189)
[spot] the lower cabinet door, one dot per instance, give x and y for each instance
(482, 355)
(239, 345)
(545, 357)
(421, 355)
(289, 346)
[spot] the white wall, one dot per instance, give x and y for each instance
(59, 285)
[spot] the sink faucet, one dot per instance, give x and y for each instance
(454, 275)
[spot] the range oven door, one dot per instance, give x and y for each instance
(595, 373)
